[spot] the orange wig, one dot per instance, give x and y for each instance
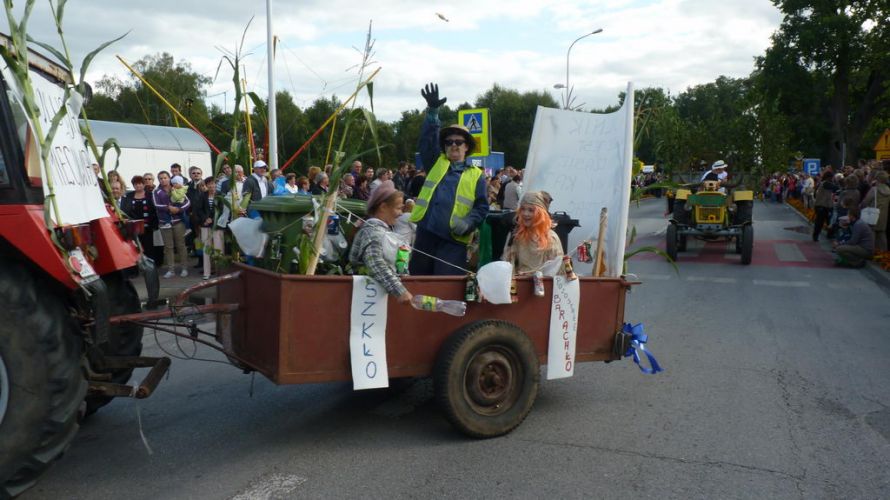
(538, 232)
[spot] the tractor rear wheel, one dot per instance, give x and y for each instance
(42, 385)
(747, 243)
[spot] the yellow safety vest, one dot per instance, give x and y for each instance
(463, 201)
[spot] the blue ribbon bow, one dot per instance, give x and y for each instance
(637, 345)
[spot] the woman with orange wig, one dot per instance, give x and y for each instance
(533, 242)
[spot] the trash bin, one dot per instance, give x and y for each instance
(282, 221)
(502, 223)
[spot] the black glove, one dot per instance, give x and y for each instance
(431, 94)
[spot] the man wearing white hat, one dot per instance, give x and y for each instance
(717, 172)
(257, 184)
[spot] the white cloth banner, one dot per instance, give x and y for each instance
(367, 334)
(584, 161)
(563, 328)
(74, 183)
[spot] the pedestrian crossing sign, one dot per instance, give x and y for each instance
(476, 121)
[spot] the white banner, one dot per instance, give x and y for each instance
(367, 334)
(74, 183)
(584, 161)
(563, 328)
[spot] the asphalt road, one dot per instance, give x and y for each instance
(775, 387)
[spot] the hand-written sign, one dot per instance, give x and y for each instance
(584, 161)
(74, 183)
(367, 334)
(563, 328)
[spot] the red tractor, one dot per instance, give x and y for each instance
(65, 271)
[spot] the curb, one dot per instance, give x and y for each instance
(881, 277)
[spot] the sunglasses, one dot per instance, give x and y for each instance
(455, 142)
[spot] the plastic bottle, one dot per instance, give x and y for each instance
(434, 304)
(538, 279)
(470, 290)
(402, 257)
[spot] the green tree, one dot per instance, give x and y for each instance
(829, 63)
(512, 116)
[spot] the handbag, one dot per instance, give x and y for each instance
(870, 215)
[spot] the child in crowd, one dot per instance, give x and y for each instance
(178, 195)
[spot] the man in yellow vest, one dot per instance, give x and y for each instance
(453, 201)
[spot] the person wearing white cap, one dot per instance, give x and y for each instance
(258, 185)
(717, 172)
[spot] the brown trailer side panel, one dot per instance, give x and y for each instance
(295, 328)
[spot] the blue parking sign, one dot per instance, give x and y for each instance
(812, 166)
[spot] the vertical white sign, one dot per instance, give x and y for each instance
(367, 334)
(584, 161)
(563, 328)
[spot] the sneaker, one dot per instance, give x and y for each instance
(205, 278)
(183, 274)
(169, 275)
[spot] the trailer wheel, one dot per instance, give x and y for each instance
(747, 243)
(486, 378)
(671, 243)
(42, 385)
(124, 300)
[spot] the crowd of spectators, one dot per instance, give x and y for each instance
(838, 198)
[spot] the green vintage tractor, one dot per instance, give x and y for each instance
(712, 214)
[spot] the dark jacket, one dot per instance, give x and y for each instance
(252, 186)
(131, 207)
(203, 208)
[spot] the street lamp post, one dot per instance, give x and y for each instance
(568, 89)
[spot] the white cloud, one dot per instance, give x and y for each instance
(520, 44)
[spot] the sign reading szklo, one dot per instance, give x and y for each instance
(477, 122)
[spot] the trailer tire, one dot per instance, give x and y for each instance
(42, 384)
(124, 300)
(486, 378)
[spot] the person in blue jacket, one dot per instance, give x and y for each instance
(453, 201)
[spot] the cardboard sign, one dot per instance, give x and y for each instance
(367, 334)
(584, 161)
(563, 328)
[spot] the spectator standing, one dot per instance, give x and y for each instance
(291, 185)
(879, 196)
(380, 175)
(400, 179)
(454, 199)
(808, 191)
(416, 184)
(171, 225)
(823, 203)
(322, 183)
(513, 193)
(347, 186)
(212, 239)
(257, 184)
(137, 204)
(361, 189)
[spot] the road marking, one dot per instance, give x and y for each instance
(662, 277)
(788, 252)
(710, 279)
(792, 284)
(276, 485)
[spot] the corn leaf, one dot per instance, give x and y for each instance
(89, 57)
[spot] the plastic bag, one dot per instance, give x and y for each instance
(494, 281)
(249, 236)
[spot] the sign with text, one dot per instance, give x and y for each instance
(367, 334)
(476, 121)
(74, 184)
(563, 328)
(584, 161)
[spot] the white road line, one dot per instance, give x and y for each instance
(791, 284)
(711, 279)
(662, 277)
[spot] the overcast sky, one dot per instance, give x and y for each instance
(520, 44)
